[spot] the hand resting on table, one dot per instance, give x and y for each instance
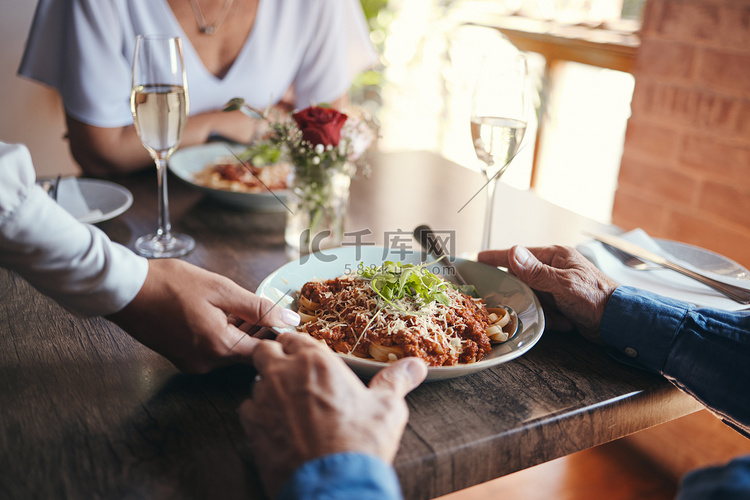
(571, 289)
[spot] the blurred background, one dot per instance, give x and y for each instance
(430, 50)
(642, 109)
(420, 92)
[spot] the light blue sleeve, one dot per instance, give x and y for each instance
(343, 476)
(338, 50)
(78, 48)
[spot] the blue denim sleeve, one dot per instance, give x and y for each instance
(727, 482)
(704, 352)
(343, 476)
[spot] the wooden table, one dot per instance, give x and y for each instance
(87, 412)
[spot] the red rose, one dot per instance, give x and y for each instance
(320, 125)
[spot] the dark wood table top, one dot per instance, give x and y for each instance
(87, 412)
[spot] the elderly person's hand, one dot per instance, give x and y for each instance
(190, 316)
(307, 403)
(572, 290)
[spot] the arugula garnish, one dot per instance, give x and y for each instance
(261, 154)
(393, 281)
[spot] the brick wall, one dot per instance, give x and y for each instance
(685, 172)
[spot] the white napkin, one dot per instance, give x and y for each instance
(70, 197)
(661, 281)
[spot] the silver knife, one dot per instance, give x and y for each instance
(739, 294)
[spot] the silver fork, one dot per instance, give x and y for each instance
(50, 187)
(631, 261)
(739, 294)
(426, 237)
(53, 190)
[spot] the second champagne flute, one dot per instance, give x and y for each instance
(159, 102)
(498, 121)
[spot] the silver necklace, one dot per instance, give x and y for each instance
(203, 26)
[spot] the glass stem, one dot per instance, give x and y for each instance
(487, 233)
(164, 233)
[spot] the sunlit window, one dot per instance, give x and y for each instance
(421, 92)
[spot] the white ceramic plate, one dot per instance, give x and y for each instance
(186, 162)
(705, 260)
(91, 200)
(109, 198)
(494, 285)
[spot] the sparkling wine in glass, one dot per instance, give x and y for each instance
(498, 121)
(159, 102)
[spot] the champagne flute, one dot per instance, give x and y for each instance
(498, 121)
(159, 103)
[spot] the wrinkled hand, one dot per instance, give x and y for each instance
(188, 315)
(308, 403)
(572, 290)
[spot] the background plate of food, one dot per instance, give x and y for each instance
(302, 283)
(214, 169)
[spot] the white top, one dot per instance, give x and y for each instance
(85, 48)
(75, 264)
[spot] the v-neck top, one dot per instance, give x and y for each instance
(85, 49)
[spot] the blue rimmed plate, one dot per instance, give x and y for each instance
(495, 286)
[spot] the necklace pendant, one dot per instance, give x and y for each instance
(207, 30)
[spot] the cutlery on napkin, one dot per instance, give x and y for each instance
(664, 282)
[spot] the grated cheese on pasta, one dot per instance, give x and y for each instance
(349, 316)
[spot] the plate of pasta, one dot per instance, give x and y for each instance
(374, 305)
(214, 169)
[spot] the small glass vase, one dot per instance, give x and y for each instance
(318, 201)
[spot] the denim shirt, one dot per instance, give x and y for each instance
(704, 352)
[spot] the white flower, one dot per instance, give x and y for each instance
(362, 135)
(319, 149)
(315, 160)
(329, 147)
